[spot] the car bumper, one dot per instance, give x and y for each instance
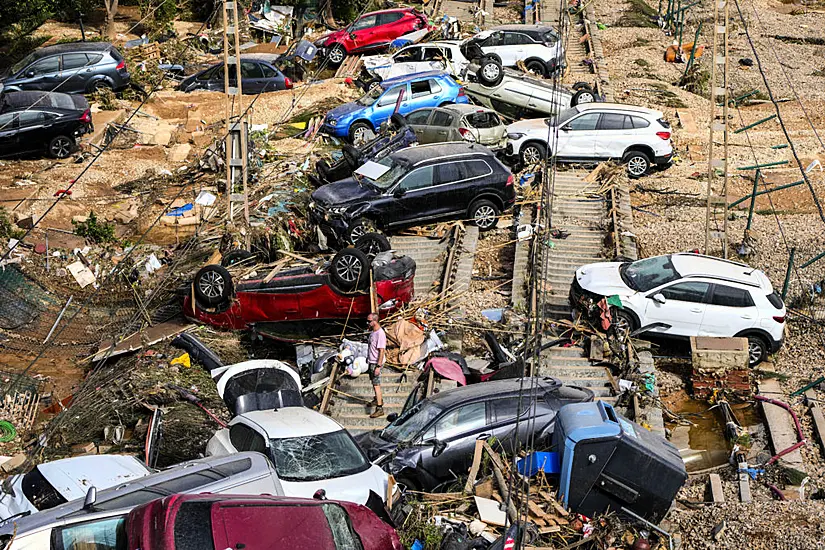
(663, 161)
(334, 229)
(337, 131)
(774, 345)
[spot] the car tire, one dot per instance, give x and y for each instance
(336, 55)
(408, 482)
(352, 156)
(361, 227)
(100, 85)
(213, 286)
(61, 147)
(236, 256)
(490, 72)
(398, 121)
(638, 164)
(624, 322)
(533, 153)
(757, 350)
(349, 269)
(372, 244)
(484, 214)
(582, 97)
(359, 133)
(537, 67)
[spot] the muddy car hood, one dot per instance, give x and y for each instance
(374, 445)
(342, 192)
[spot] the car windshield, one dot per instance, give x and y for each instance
(370, 97)
(564, 116)
(409, 424)
(644, 275)
(314, 457)
(388, 178)
(22, 63)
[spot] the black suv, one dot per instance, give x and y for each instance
(428, 443)
(428, 183)
(73, 68)
(37, 122)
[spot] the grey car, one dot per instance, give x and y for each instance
(73, 68)
(459, 123)
(257, 76)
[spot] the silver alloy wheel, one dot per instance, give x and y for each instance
(531, 155)
(374, 86)
(621, 323)
(211, 284)
(102, 85)
(61, 147)
(485, 216)
(361, 135)
(357, 232)
(637, 165)
(586, 97)
(348, 268)
(336, 55)
(754, 352)
(491, 71)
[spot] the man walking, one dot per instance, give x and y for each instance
(375, 358)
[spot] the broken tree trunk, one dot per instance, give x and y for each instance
(111, 12)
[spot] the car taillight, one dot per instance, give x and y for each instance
(287, 83)
(86, 116)
(663, 135)
(510, 180)
(122, 65)
(779, 318)
(466, 134)
(461, 92)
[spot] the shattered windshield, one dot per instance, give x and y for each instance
(370, 97)
(409, 424)
(644, 275)
(314, 457)
(388, 178)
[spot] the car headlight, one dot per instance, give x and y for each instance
(515, 135)
(332, 122)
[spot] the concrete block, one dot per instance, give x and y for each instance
(178, 153)
(716, 491)
(780, 425)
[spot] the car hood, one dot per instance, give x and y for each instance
(17, 504)
(344, 110)
(373, 445)
(341, 192)
(334, 36)
(530, 125)
(602, 278)
(355, 488)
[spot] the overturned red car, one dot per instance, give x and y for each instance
(302, 301)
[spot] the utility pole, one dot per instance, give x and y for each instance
(236, 131)
(716, 218)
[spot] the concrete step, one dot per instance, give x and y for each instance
(360, 417)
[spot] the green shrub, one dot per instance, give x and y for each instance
(95, 230)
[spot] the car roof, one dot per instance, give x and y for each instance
(42, 100)
(433, 151)
(619, 107)
(390, 82)
(689, 264)
(292, 422)
(466, 109)
(73, 476)
(72, 47)
(491, 389)
(391, 10)
(528, 28)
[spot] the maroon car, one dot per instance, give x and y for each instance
(210, 522)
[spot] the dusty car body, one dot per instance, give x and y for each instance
(459, 123)
(184, 522)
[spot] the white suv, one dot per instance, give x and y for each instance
(591, 132)
(416, 58)
(689, 295)
(538, 46)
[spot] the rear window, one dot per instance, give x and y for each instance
(775, 300)
(483, 120)
(639, 122)
(342, 532)
(193, 526)
(40, 492)
(232, 468)
(731, 297)
(663, 123)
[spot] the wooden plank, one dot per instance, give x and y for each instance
(819, 419)
(716, 488)
(780, 425)
(471, 479)
(494, 456)
(328, 391)
(687, 121)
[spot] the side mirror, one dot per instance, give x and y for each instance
(320, 494)
(91, 497)
(565, 128)
(352, 35)
(398, 193)
(392, 417)
(438, 447)
(30, 74)
(659, 298)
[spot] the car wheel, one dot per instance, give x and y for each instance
(490, 72)
(373, 85)
(408, 483)
(398, 121)
(582, 97)
(533, 153)
(637, 163)
(360, 133)
(337, 54)
(372, 244)
(101, 85)
(349, 269)
(236, 256)
(537, 67)
(323, 169)
(484, 214)
(352, 156)
(757, 350)
(623, 321)
(213, 285)
(359, 228)
(61, 147)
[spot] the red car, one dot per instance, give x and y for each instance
(300, 300)
(371, 32)
(205, 521)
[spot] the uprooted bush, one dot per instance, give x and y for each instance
(7, 228)
(97, 231)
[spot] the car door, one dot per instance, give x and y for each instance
(424, 93)
(32, 132)
(9, 144)
(451, 192)
(729, 311)
(76, 71)
(414, 198)
(362, 32)
(408, 60)
(457, 430)
(514, 48)
(383, 109)
(418, 120)
(493, 44)
(42, 75)
(683, 308)
(439, 128)
(253, 77)
(388, 27)
(576, 138)
(504, 414)
(272, 77)
(614, 132)
(435, 59)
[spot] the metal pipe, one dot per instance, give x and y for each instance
(753, 199)
(788, 273)
(59, 317)
(754, 124)
(812, 260)
(765, 165)
(764, 191)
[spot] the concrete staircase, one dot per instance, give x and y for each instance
(354, 415)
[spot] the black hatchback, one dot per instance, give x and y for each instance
(42, 122)
(413, 186)
(433, 441)
(72, 68)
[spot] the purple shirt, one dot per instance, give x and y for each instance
(378, 341)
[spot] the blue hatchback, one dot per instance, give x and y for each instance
(360, 119)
